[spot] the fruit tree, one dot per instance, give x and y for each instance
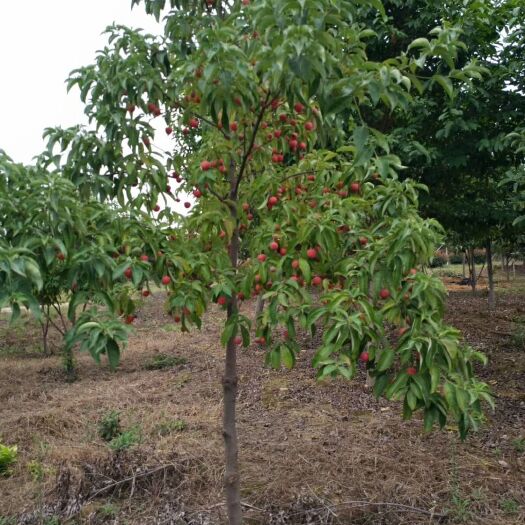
(282, 203)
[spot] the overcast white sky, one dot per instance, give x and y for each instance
(41, 41)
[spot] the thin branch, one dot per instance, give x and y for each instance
(252, 141)
(299, 174)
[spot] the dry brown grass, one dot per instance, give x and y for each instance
(307, 450)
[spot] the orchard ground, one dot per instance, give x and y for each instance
(310, 453)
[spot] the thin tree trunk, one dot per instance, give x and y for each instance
(464, 262)
(45, 331)
(490, 271)
(259, 307)
(229, 382)
(472, 270)
(507, 268)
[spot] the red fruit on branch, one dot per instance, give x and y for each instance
(128, 273)
(363, 241)
(156, 207)
(234, 126)
(222, 300)
(384, 293)
(364, 356)
(245, 206)
(238, 340)
(272, 201)
(309, 125)
(283, 251)
(261, 257)
(311, 253)
(205, 165)
(317, 280)
(60, 256)
(187, 204)
(146, 293)
(194, 123)
(222, 234)
(144, 258)
(166, 280)
(130, 319)
(169, 130)
(295, 264)
(355, 187)
(274, 246)
(411, 371)
(299, 108)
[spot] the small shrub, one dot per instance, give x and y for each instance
(437, 262)
(109, 426)
(108, 510)
(519, 445)
(174, 425)
(457, 258)
(7, 520)
(162, 361)
(8, 456)
(518, 337)
(125, 440)
(509, 506)
(37, 470)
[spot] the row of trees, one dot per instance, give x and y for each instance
(293, 123)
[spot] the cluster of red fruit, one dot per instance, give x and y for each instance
(208, 165)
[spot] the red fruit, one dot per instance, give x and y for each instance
(205, 165)
(411, 371)
(222, 234)
(384, 293)
(166, 280)
(185, 131)
(222, 168)
(176, 318)
(277, 133)
(261, 257)
(146, 141)
(250, 216)
(238, 340)
(130, 319)
(355, 187)
(144, 258)
(152, 108)
(258, 288)
(261, 340)
(293, 144)
(273, 200)
(194, 123)
(197, 193)
(169, 130)
(311, 253)
(245, 206)
(309, 125)
(283, 117)
(299, 108)
(283, 251)
(145, 293)
(412, 271)
(221, 300)
(128, 273)
(363, 241)
(131, 108)
(302, 146)
(60, 256)
(274, 246)
(187, 204)
(316, 281)
(156, 207)
(403, 330)
(295, 264)
(234, 126)
(364, 356)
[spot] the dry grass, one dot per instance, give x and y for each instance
(307, 450)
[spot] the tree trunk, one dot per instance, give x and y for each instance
(260, 306)
(490, 271)
(507, 268)
(229, 382)
(472, 270)
(464, 262)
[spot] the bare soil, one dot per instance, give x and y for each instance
(311, 453)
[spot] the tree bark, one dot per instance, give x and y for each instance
(490, 271)
(472, 270)
(464, 261)
(229, 382)
(259, 307)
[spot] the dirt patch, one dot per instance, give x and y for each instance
(310, 453)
